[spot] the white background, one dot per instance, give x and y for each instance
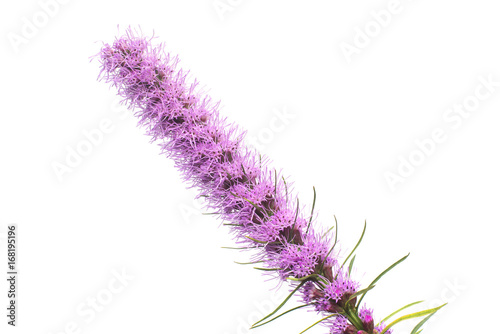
(124, 206)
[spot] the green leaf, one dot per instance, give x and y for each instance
(315, 276)
(399, 310)
(352, 316)
(253, 204)
(312, 210)
(350, 264)
(420, 324)
(383, 273)
(354, 295)
(244, 171)
(317, 322)
(411, 316)
(255, 240)
(292, 234)
(335, 243)
(267, 269)
(290, 310)
(280, 305)
(302, 278)
(347, 258)
(327, 231)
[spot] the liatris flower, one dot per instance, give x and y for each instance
(255, 200)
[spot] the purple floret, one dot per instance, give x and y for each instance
(381, 327)
(339, 325)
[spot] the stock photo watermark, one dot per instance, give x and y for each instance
(453, 118)
(450, 292)
(88, 310)
(262, 308)
(90, 139)
(12, 274)
(32, 24)
(222, 7)
(371, 29)
(282, 117)
(193, 210)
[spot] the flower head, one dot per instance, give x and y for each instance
(255, 200)
(341, 287)
(380, 328)
(339, 325)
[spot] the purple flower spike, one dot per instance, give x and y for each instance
(255, 200)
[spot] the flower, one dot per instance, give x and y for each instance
(255, 200)
(339, 325)
(342, 286)
(366, 317)
(380, 328)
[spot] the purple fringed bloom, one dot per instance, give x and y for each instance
(366, 317)
(339, 325)
(341, 286)
(381, 327)
(237, 183)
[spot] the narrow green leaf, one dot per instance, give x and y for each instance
(267, 269)
(302, 278)
(259, 241)
(350, 264)
(290, 310)
(249, 201)
(210, 213)
(352, 316)
(411, 316)
(280, 305)
(383, 273)
(312, 210)
(327, 231)
(355, 247)
(335, 243)
(253, 204)
(315, 276)
(239, 247)
(360, 292)
(244, 171)
(317, 322)
(399, 310)
(420, 324)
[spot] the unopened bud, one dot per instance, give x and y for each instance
(351, 330)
